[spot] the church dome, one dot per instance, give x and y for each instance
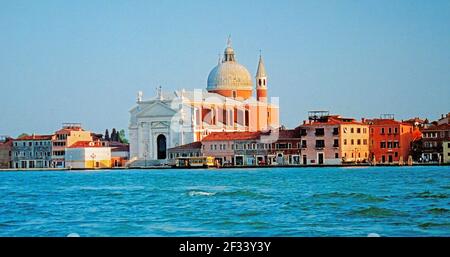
(229, 74)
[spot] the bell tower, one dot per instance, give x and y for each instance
(261, 81)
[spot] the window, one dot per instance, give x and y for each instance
(364, 141)
(358, 142)
(358, 130)
(395, 130)
(352, 141)
(345, 141)
(336, 155)
(352, 130)
(383, 144)
(382, 131)
(320, 131)
(303, 143)
(389, 130)
(335, 131)
(336, 143)
(389, 144)
(320, 143)
(303, 132)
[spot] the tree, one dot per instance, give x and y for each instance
(122, 137)
(107, 135)
(114, 136)
(23, 135)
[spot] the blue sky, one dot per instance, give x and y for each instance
(84, 61)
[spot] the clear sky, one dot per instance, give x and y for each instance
(84, 61)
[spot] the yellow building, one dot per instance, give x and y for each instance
(66, 137)
(88, 155)
(354, 141)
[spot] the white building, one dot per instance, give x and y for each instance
(88, 155)
(172, 119)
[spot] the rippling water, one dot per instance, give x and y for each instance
(389, 201)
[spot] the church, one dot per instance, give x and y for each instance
(229, 103)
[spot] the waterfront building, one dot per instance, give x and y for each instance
(120, 153)
(286, 149)
(193, 149)
(87, 155)
(432, 142)
(390, 140)
(33, 151)
(446, 151)
(169, 120)
(445, 119)
(333, 140)
(5, 152)
(66, 137)
(235, 148)
(274, 147)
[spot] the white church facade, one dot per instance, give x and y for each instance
(228, 104)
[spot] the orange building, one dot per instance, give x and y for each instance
(390, 140)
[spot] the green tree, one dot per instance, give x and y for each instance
(23, 135)
(122, 137)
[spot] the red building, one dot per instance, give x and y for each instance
(390, 140)
(5, 152)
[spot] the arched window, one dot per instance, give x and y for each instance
(161, 146)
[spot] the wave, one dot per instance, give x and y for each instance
(432, 225)
(438, 211)
(200, 193)
(357, 196)
(373, 211)
(428, 194)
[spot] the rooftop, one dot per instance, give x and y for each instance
(34, 137)
(226, 136)
(193, 145)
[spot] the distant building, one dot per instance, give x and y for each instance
(32, 152)
(445, 119)
(432, 142)
(332, 139)
(446, 151)
(274, 147)
(120, 153)
(193, 149)
(235, 148)
(286, 149)
(5, 152)
(390, 140)
(88, 155)
(228, 104)
(66, 137)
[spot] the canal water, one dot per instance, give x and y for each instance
(388, 201)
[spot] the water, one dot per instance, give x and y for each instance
(389, 201)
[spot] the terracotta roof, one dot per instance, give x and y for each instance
(437, 127)
(68, 130)
(225, 136)
(82, 144)
(333, 120)
(288, 133)
(385, 122)
(34, 137)
(194, 145)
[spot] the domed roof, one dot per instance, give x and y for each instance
(229, 74)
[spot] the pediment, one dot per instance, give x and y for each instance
(160, 124)
(156, 109)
